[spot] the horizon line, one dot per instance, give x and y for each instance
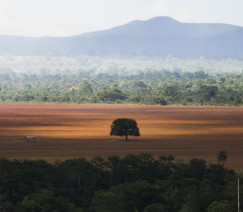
(50, 36)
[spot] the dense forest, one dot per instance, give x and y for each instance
(145, 87)
(133, 183)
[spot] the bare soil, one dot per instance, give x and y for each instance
(69, 131)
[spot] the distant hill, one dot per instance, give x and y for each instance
(159, 36)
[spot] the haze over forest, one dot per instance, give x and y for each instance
(160, 43)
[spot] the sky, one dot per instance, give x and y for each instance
(73, 17)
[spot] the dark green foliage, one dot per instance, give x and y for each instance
(224, 206)
(45, 200)
(85, 88)
(110, 95)
(222, 156)
(207, 92)
(197, 169)
(161, 101)
(127, 197)
(140, 183)
(155, 208)
(124, 127)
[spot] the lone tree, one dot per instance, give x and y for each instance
(124, 127)
(222, 156)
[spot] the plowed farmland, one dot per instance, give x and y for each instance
(68, 131)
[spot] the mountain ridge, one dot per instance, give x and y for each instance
(159, 36)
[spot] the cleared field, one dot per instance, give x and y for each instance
(68, 131)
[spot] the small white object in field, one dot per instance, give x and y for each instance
(30, 138)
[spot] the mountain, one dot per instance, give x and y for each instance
(158, 36)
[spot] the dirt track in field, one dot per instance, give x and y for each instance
(68, 131)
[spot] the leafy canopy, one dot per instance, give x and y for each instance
(124, 127)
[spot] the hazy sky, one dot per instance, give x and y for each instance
(72, 17)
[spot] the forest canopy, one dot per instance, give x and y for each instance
(133, 183)
(150, 87)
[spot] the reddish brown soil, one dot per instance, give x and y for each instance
(67, 131)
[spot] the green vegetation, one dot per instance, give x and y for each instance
(124, 127)
(134, 183)
(222, 156)
(151, 87)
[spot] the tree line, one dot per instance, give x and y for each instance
(151, 87)
(133, 183)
